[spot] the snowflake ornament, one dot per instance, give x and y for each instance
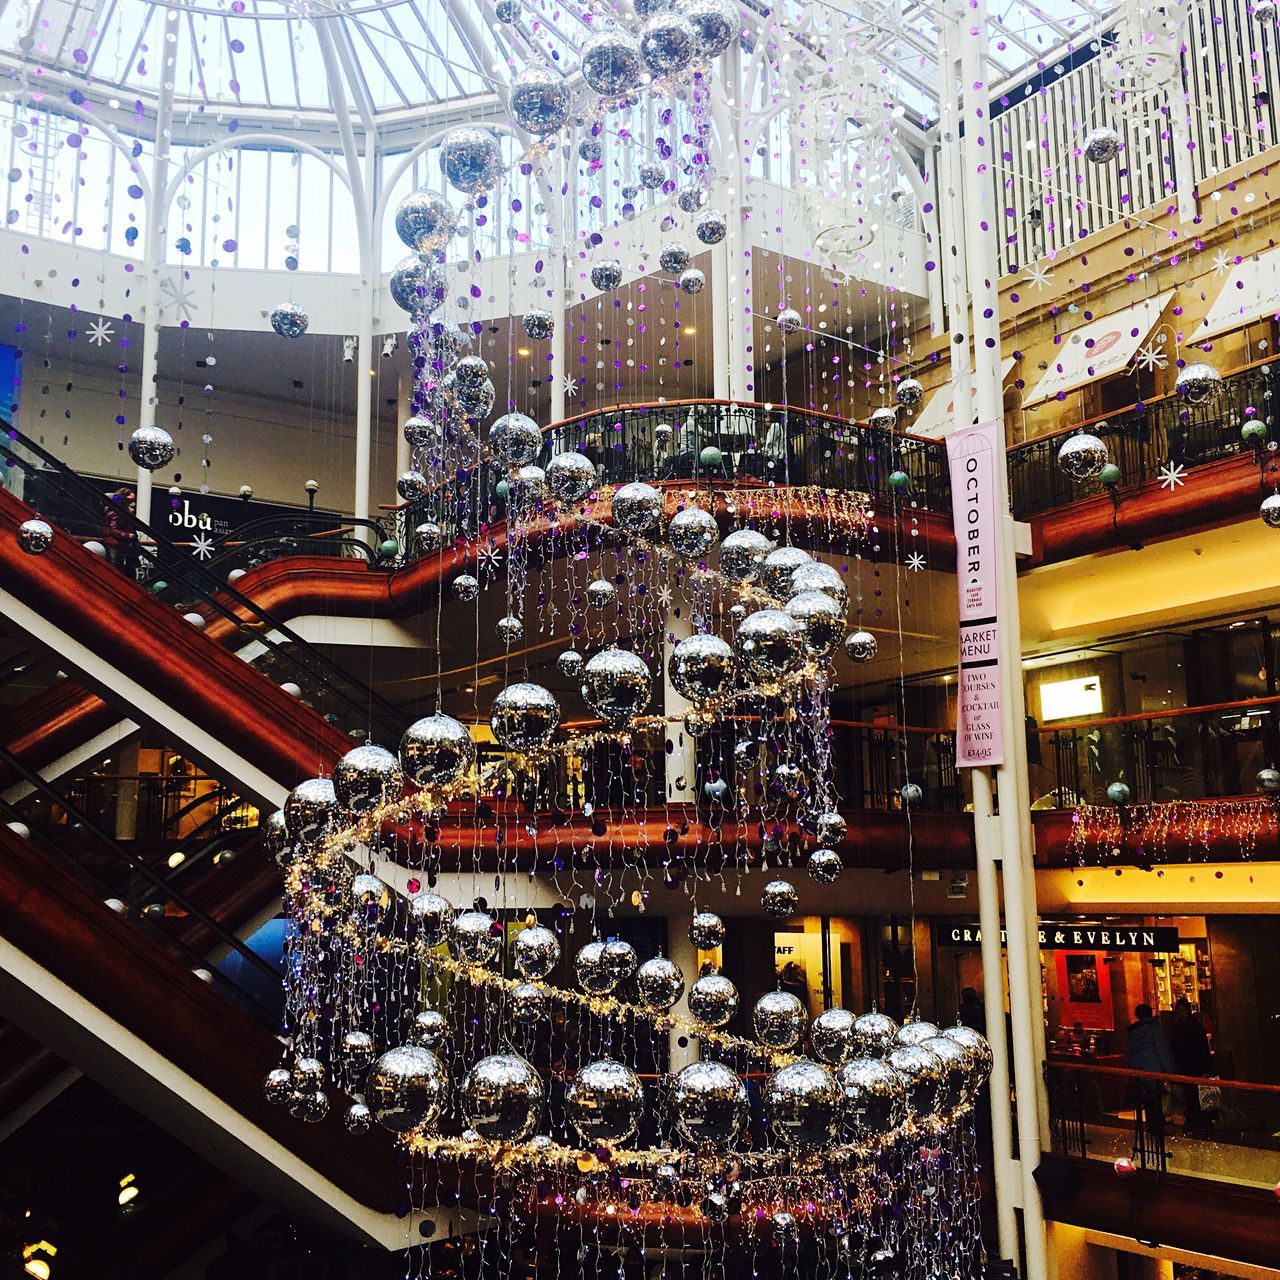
(178, 298)
(1151, 356)
(1173, 475)
(100, 332)
(1039, 276)
(202, 546)
(570, 385)
(915, 562)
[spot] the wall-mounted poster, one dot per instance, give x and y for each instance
(1084, 990)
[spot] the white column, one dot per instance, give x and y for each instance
(685, 954)
(404, 406)
(153, 251)
(723, 304)
(682, 762)
(557, 368)
(731, 292)
(1003, 837)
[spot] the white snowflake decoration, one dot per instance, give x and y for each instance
(177, 297)
(1173, 475)
(202, 546)
(1222, 262)
(570, 385)
(100, 332)
(1151, 356)
(915, 562)
(1039, 276)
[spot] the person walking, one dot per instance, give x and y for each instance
(1147, 1049)
(118, 534)
(971, 1013)
(1190, 1045)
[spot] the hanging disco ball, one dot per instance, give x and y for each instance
(802, 1102)
(419, 432)
(425, 221)
(884, 418)
(35, 537)
(874, 1034)
(713, 1000)
(570, 476)
(527, 1005)
(709, 1103)
(1270, 511)
(824, 866)
(507, 11)
(1198, 383)
(524, 717)
(277, 1087)
(923, 1076)
(289, 320)
(510, 629)
(817, 575)
(860, 646)
(1101, 145)
(910, 392)
(701, 667)
(693, 533)
(275, 838)
(590, 151)
(540, 101)
(706, 931)
(717, 24)
(637, 507)
(433, 915)
(770, 643)
(831, 1036)
(367, 777)
(538, 324)
(466, 588)
(604, 1102)
(476, 937)
(821, 622)
(651, 176)
(915, 1031)
(659, 983)
(779, 899)
(570, 664)
(535, 952)
(1082, 456)
(674, 258)
(591, 971)
(470, 158)
(955, 1071)
(711, 227)
(476, 399)
(429, 1028)
(616, 685)
(742, 555)
(406, 1087)
(601, 593)
(789, 320)
(668, 43)
(779, 1019)
(416, 285)
(874, 1101)
(311, 810)
(831, 828)
(779, 569)
(606, 276)
(515, 439)
(691, 199)
(151, 448)
(611, 64)
(412, 485)
(502, 1098)
(436, 751)
(692, 281)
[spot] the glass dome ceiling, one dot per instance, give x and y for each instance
(399, 57)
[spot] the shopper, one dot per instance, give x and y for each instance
(118, 534)
(1190, 1044)
(1147, 1049)
(971, 1012)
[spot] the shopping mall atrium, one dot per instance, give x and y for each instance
(636, 639)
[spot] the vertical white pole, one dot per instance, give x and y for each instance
(558, 365)
(365, 355)
(685, 954)
(681, 763)
(153, 251)
(723, 302)
(977, 159)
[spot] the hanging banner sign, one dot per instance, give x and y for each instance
(973, 454)
(1057, 935)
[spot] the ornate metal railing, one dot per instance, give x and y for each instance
(1145, 440)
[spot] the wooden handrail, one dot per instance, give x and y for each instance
(1211, 709)
(1130, 1073)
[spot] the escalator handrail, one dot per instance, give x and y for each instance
(137, 864)
(213, 589)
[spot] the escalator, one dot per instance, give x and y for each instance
(179, 648)
(130, 971)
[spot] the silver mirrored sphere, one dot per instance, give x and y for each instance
(1082, 456)
(616, 685)
(1270, 511)
(416, 285)
(275, 838)
(674, 258)
(357, 1050)
(824, 866)
(419, 432)
(1198, 383)
(718, 23)
(910, 393)
(466, 587)
(923, 1076)
(701, 667)
(430, 1028)
(779, 568)
(692, 281)
(884, 418)
(277, 1087)
(611, 64)
(535, 951)
(525, 717)
(501, 1098)
(35, 537)
(860, 646)
(570, 476)
(874, 1099)
(358, 1118)
(873, 1034)
(476, 937)
(425, 221)
(589, 968)
(527, 1005)
(821, 622)
(831, 1036)
(470, 159)
(152, 448)
(916, 1031)
(606, 276)
(570, 664)
(770, 643)
(514, 439)
(779, 900)
(802, 1102)
(817, 575)
(706, 931)
(955, 1069)
(668, 43)
(713, 1000)
(660, 983)
(711, 226)
(436, 751)
(601, 593)
(789, 320)
(779, 1019)
(693, 533)
(432, 914)
(619, 959)
(538, 324)
(1101, 145)
(650, 175)
(637, 507)
(540, 101)
(411, 485)
(406, 1087)
(709, 1103)
(831, 828)
(289, 320)
(366, 777)
(742, 555)
(311, 811)
(604, 1102)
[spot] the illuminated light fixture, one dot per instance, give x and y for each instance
(128, 1190)
(522, 351)
(176, 859)
(33, 1264)
(690, 330)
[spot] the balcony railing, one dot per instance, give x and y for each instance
(1188, 753)
(1144, 439)
(1220, 1129)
